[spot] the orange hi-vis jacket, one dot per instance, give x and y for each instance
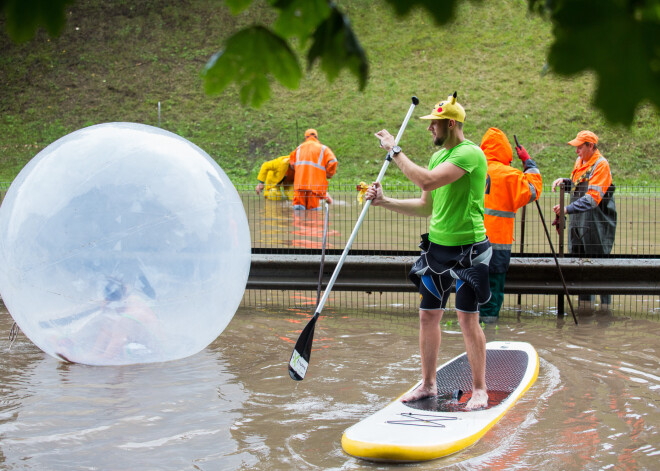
(596, 172)
(507, 190)
(314, 164)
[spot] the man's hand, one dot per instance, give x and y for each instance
(328, 198)
(522, 153)
(555, 208)
(556, 183)
(259, 188)
(375, 194)
(386, 139)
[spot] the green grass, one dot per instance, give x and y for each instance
(116, 60)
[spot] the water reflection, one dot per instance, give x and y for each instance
(154, 416)
(233, 406)
(279, 226)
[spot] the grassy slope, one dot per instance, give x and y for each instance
(117, 60)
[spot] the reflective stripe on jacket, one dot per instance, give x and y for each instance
(314, 164)
(507, 189)
(275, 171)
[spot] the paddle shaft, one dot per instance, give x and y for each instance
(561, 275)
(522, 226)
(326, 208)
(522, 239)
(302, 351)
(547, 234)
(388, 158)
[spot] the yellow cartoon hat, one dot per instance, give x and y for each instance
(448, 109)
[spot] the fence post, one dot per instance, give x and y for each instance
(560, 227)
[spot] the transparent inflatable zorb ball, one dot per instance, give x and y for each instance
(122, 243)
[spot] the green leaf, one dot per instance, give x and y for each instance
(249, 58)
(237, 6)
(24, 17)
(255, 92)
(442, 11)
(299, 18)
(218, 73)
(617, 40)
(335, 44)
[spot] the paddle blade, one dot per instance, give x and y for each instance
(302, 351)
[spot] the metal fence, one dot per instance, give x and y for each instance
(276, 228)
(526, 307)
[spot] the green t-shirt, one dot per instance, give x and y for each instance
(458, 208)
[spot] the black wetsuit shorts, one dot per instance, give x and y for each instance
(440, 265)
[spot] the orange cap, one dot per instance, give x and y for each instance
(310, 133)
(582, 137)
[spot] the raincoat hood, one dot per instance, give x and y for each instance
(496, 146)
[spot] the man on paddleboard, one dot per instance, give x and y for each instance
(456, 248)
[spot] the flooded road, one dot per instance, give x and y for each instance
(595, 405)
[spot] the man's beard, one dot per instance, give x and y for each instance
(440, 140)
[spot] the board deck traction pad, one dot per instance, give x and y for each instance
(504, 371)
(507, 363)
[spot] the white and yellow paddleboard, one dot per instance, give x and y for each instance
(439, 426)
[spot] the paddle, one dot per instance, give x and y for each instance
(326, 208)
(547, 234)
(302, 351)
(523, 213)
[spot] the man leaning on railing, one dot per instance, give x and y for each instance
(592, 212)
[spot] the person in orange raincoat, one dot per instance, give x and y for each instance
(507, 190)
(592, 221)
(275, 179)
(313, 163)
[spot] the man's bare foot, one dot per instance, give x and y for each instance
(421, 392)
(478, 400)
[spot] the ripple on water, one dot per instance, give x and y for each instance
(234, 407)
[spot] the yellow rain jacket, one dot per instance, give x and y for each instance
(272, 174)
(507, 190)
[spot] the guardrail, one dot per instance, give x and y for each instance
(526, 275)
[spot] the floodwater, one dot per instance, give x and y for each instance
(233, 406)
